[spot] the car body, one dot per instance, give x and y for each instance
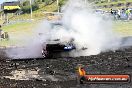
(55, 48)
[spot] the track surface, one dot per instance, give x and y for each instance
(61, 72)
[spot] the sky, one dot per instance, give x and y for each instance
(1, 1)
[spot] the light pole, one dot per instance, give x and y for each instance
(58, 6)
(85, 1)
(31, 9)
(126, 4)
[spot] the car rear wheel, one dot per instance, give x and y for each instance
(44, 53)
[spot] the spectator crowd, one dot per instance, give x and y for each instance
(122, 14)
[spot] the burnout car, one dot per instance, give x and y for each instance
(55, 48)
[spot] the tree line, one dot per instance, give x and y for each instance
(25, 5)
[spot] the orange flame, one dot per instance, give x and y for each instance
(81, 71)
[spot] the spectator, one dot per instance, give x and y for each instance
(1, 32)
(6, 36)
(3, 35)
(119, 13)
(127, 13)
(111, 12)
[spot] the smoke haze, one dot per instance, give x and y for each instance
(80, 22)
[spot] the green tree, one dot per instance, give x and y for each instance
(26, 6)
(26, 3)
(62, 2)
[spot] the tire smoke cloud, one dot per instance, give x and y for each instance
(89, 29)
(79, 21)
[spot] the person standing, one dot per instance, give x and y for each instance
(1, 32)
(111, 11)
(127, 13)
(119, 14)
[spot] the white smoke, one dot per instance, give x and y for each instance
(80, 22)
(88, 29)
(32, 44)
